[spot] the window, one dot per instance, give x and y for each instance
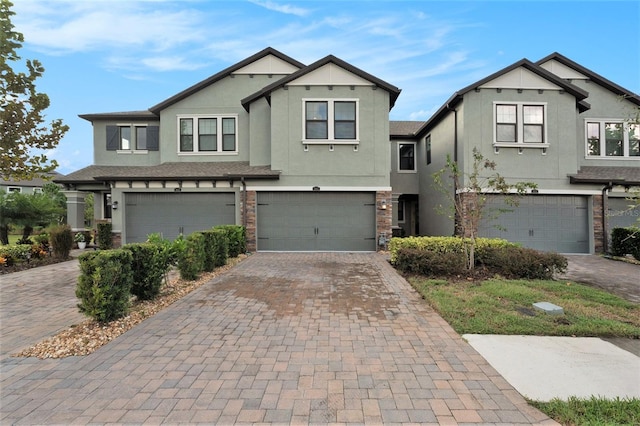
(14, 189)
(406, 157)
(141, 138)
(401, 211)
(330, 120)
(428, 144)
(519, 124)
(37, 190)
(120, 138)
(612, 139)
(207, 134)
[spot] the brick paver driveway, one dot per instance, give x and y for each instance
(284, 338)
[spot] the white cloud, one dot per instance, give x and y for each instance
(282, 8)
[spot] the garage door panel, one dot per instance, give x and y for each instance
(316, 221)
(173, 213)
(547, 223)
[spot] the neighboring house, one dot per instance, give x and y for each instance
(297, 154)
(552, 122)
(32, 186)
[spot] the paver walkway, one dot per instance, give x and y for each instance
(282, 338)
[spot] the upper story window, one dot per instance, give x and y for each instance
(427, 142)
(610, 138)
(127, 138)
(330, 121)
(520, 124)
(407, 157)
(208, 134)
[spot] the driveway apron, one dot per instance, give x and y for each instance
(282, 338)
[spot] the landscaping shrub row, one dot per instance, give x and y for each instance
(446, 256)
(626, 241)
(110, 277)
(57, 242)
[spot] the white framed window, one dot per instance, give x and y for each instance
(332, 121)
(37, 190)
(208, 134)
(520, 124)
(406, 157)
(612, 138)
(11, 189)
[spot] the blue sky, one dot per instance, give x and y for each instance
(108, 56)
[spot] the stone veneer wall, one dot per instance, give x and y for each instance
(250, 221)
(383, 217)
(598, 225)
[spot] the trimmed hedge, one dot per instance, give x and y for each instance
(61, 239)
(445, 256)
(626, 241)
(191, 256)
(521, 262)
(443, 244)
(148, 266)
(217, 248)
(104, 238)
(104, 285)
(236, 238)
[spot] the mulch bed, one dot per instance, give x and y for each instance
(23, 266)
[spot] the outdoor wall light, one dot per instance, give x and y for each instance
(383, 205)
(114, 205)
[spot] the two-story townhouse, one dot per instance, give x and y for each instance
(553, 123)
(297, 154)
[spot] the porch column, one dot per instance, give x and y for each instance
(75, 209)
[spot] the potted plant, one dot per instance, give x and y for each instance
(80, 240)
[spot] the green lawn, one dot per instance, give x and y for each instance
(498, 306)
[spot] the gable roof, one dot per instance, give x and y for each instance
(222, 74)
(597, 78)
(266, 92)
(457, 97)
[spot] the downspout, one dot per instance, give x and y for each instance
(244, 202)
(605, 206)
(455, 132)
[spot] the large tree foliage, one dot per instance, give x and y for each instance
(467, 195)
(25, 135)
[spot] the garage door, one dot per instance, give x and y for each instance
(542, 222)
(316, 221)
(622, 213)
(174, 213)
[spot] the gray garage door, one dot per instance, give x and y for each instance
(316, 221)
(543, 222)
(173, 213)
(622, 213)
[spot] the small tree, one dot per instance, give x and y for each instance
(467, 203)
(24, 135)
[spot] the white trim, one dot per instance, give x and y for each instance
(13, 189)
(602, 138)
(322, 188)
(520, 126)
(331, 140)
(219, 118)
(547, 192)
(415, 163)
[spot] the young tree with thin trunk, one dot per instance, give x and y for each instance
(467, 196)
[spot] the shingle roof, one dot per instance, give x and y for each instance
(577, 92)
(394, 92)
(404, 128)
(597, 78)
(606, 175)
(124, 115)
(36, 182)
(165, 171)
(222, 74)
